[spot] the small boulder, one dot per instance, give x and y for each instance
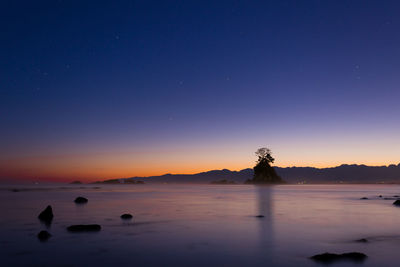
(364, 198)
(126, 216)
(331, 257)
(362, 240)
(81, 200)
(380, 196)
(84, 228)
(46, 215)
(396, 203)
(260, 216)
(43, 236)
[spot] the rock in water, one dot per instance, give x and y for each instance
(81, 200)
(84, 228)
(396, 203)
(331, 257)
(43, 236)
(260, 216)
(363, 198)
(46, 216)
(362, 240)
(126, 216)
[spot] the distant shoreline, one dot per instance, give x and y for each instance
(343, 174)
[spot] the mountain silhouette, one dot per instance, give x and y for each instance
(341, 174)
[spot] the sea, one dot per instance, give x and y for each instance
(200, 225)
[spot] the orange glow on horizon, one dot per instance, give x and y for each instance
(65, 174)
(89, 166)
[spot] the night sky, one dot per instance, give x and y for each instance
(93, 90)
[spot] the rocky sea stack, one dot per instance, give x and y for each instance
(264, 173)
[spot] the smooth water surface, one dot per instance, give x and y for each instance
(200, 225)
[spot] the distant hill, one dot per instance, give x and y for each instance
(340, 174)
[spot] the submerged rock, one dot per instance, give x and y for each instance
(46, 215)
(331, 257)
(43, 236)
(362, 240)
(126, 216)
(84, 228)
(396, 203)
(81, 200)
(363, 198)
(260, 216)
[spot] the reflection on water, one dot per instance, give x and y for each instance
(200, 225)
(266, 223)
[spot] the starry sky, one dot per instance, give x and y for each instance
(102, 89)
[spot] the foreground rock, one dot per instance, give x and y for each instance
(84, 228)
(46, 215)
(396, 203)
(44, 236)
(81, 200)
(331, 257)
(126, 216)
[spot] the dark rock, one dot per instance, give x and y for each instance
(260, 216)
(396, 196)
(81, 200)
(363, 198)
(380, 195)
(46, 216)
(44, 236)
(331, 257)
(14, 190)
(126, 216)
(396, 203)
(362, 240)
(223, 181)
(84, 228)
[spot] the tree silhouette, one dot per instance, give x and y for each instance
(265, 154)
(263, 172)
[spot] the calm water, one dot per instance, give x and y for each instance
(200, 225)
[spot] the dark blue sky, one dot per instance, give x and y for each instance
(317, 81)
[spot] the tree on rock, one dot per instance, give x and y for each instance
(263, 172)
